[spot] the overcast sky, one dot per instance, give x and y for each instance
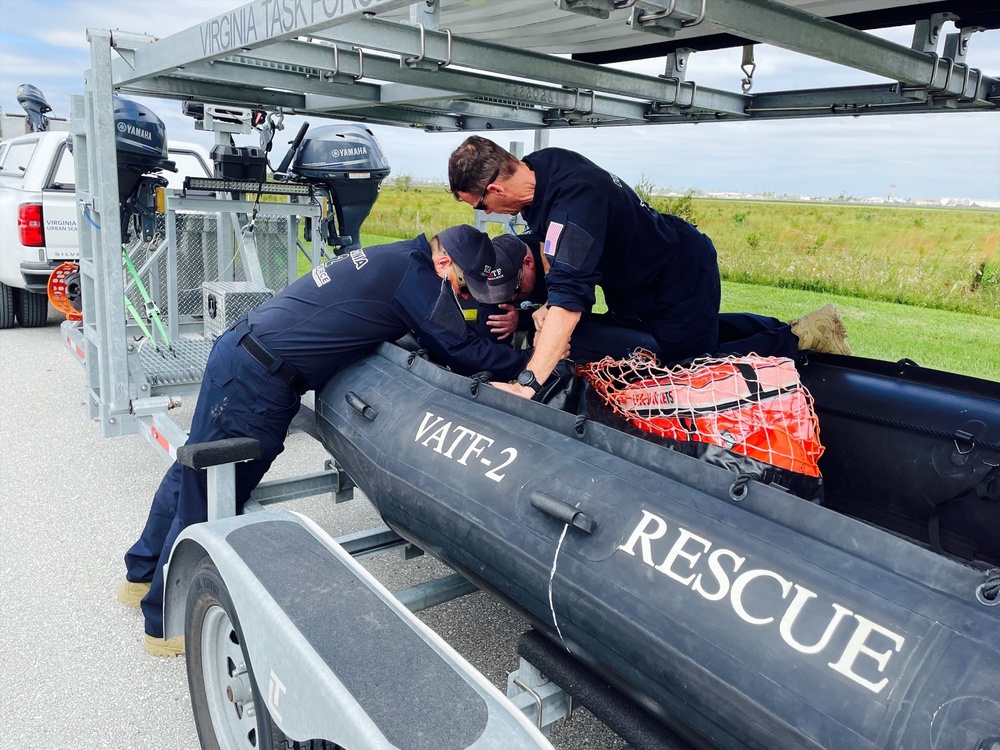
(43, 42)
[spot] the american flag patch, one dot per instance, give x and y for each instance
(552, 238)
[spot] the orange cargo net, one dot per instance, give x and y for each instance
(755, 406)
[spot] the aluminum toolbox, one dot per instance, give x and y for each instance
(225, 302)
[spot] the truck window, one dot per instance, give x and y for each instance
(189, 164)
(17, 156)
(64, 174)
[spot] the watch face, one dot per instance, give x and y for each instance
(526, 378)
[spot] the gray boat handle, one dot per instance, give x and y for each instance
(563, 511)
(361, 406)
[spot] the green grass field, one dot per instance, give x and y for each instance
(917, 283)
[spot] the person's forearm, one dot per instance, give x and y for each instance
(551, 345)
(552, 342)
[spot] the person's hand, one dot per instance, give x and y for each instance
(538, 316)
(516, 388)
(503, 324)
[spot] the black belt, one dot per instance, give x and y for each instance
(265, 359)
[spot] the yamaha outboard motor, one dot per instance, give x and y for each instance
(141, 145)
(349, 163)
(32, 100)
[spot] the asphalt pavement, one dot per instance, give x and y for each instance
(73, 674)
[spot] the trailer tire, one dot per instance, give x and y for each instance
(219, 699)
(32, 309)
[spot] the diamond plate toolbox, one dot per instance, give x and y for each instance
(225, 302)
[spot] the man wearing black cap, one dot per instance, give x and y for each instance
(503, 319)
(659, 274)
(296, 342)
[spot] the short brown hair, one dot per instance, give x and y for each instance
(471, 164)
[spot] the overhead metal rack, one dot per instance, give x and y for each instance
(439, 65)
(342, 59)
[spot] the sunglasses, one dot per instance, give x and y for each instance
(481, 205)
(463, 288)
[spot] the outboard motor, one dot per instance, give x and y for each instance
(348, 162)
(32, 100)
(141, 145)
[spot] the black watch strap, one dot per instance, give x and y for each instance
(527, 377)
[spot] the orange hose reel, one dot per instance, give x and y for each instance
(64, 290)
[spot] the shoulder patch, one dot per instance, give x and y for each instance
(446, 313)
(574, 245)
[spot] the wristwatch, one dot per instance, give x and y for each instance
(528, 379)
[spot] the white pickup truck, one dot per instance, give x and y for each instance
(38, 216)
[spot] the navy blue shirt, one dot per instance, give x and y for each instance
(343, 310)
(596, 230)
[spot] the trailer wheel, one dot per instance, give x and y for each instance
(229, 710)
(6, 306)
(32, 309)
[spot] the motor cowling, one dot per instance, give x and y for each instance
(348, 161)
(32, 101)
(141, 146)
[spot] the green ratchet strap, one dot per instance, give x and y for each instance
(151, 310)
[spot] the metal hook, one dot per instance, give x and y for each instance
(699, 19)
(447, 62)
(748, 67)
(694, 91)
(644, 18)
(361, 62)
(979, 79)
(423, 48)
(677, 89)
(336, 64)
(947, 79)
(576, 104)
(934, 71)
(411, 61)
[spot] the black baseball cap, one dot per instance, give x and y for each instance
(491, 268)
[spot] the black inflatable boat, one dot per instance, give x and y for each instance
(736, 613)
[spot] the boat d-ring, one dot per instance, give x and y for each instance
(988, 592)
(738, 490)
(983, 599)
(966, 439)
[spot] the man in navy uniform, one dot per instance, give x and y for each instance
(509, 319)
(296, 342)
(659, 274)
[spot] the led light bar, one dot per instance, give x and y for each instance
(246, 186)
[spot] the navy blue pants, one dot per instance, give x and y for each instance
(238, 398)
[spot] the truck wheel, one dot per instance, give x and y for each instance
(32, 309)
(6, 306)
(229, 709)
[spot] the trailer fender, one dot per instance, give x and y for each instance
(335, 656)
